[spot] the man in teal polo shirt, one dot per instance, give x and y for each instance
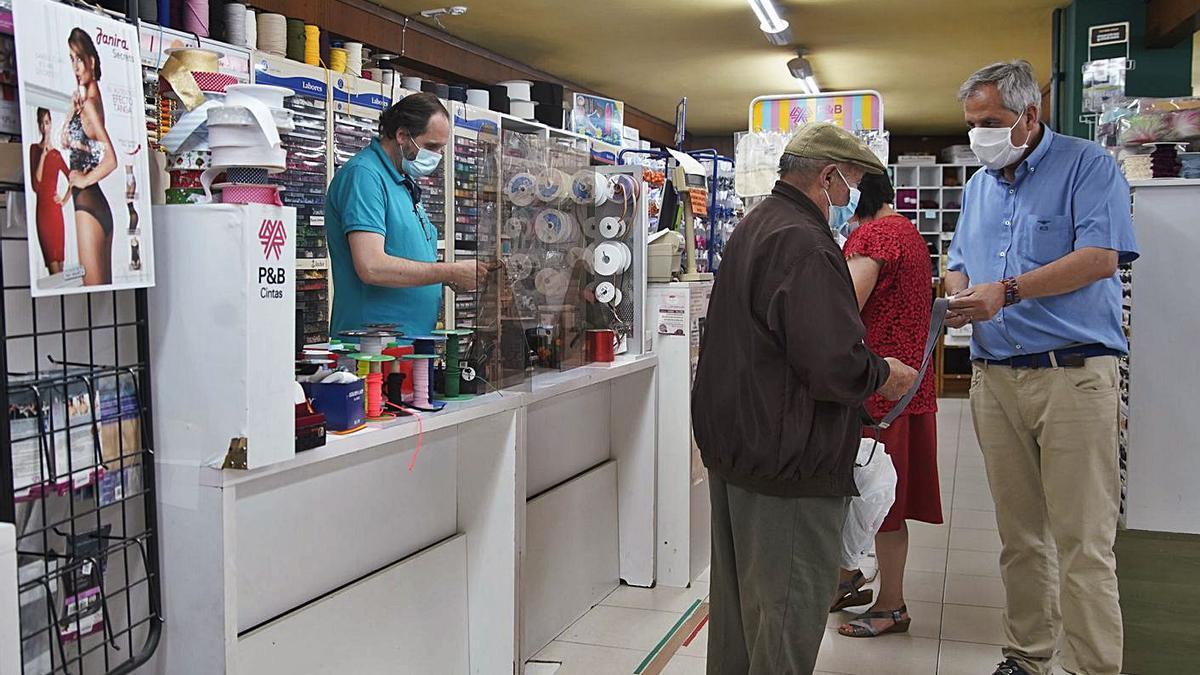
(382, 244)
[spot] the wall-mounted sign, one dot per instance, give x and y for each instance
(850, 110)
(598, 117)
(1108, 34)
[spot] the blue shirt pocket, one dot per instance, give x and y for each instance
(1044, 239)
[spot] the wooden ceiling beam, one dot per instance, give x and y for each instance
(439, 54)
(1169, 22)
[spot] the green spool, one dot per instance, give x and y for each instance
(453, 364)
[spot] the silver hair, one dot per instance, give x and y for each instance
(1014, 79)
(804, 167)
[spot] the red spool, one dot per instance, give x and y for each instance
(601, 344)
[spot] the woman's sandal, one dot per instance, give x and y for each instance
(863, 628)
(852, 594)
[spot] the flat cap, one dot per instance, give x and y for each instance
(825, 141)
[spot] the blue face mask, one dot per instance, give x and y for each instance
(839, 216)
(426, 162)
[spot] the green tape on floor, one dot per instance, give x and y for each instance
(658, 647)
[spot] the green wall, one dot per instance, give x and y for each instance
(1158, 73)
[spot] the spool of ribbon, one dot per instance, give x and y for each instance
(185, 178)
(411, 83)
(178, 73)
(233, 114)
(251, 29)
(521, 189)
(354, 58)
(272, 34)
(480, 98)
(185, 196)
(195, 160)
(295, 40)
(246, 175)
(458, 92)
(337, 60)
(195, 17)
(553, 185)
(249, 194)
(164, 14)
(312, 45)
(235, 23)
(148, 10)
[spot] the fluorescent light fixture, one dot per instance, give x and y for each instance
(770, 23)
(803, 87)
(810, 82)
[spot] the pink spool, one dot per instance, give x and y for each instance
(250, 194)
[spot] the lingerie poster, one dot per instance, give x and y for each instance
(87, 180)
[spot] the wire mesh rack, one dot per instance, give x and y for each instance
(77, 472)
(77, 468)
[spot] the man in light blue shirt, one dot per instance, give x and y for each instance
(1033, 267)
(382, 245)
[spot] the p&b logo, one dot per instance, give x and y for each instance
(272, 235)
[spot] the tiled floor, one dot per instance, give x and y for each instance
(953, 587)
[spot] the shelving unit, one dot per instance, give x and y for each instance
(930, 195)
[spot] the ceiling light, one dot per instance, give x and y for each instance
(770, 23)
(799, 67)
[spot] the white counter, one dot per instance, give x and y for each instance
(521, 511)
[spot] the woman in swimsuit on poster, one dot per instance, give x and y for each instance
(92, 158)
(46, 165)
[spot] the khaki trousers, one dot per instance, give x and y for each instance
(1049, 441)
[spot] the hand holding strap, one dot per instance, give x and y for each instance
(936, 320)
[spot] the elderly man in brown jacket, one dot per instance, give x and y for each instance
(776, 409)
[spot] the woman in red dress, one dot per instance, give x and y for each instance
(889, 262)
(46, 164)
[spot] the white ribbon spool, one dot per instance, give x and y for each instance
(617, 298)
(516, 227)
(590, 187)
(521, 189)
(608, 259)
(238, 115)
(553, 185)
(518, 90)
(612, 227)
(591, 227)
(606, 292)
(526, 110)
(552, 226)
(411, 83)
(480, 98)
(552, 283)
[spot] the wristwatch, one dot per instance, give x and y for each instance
(1012, 293)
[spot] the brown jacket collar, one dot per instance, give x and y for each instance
(791, 193)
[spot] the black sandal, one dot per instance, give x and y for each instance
(862, 627)
(852, 594)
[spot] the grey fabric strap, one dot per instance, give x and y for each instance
(936, 320)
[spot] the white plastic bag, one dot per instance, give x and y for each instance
(876, 480)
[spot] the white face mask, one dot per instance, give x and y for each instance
(994, 147)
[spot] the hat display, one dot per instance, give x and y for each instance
(825, 141)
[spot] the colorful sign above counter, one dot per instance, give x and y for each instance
(850, 110)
